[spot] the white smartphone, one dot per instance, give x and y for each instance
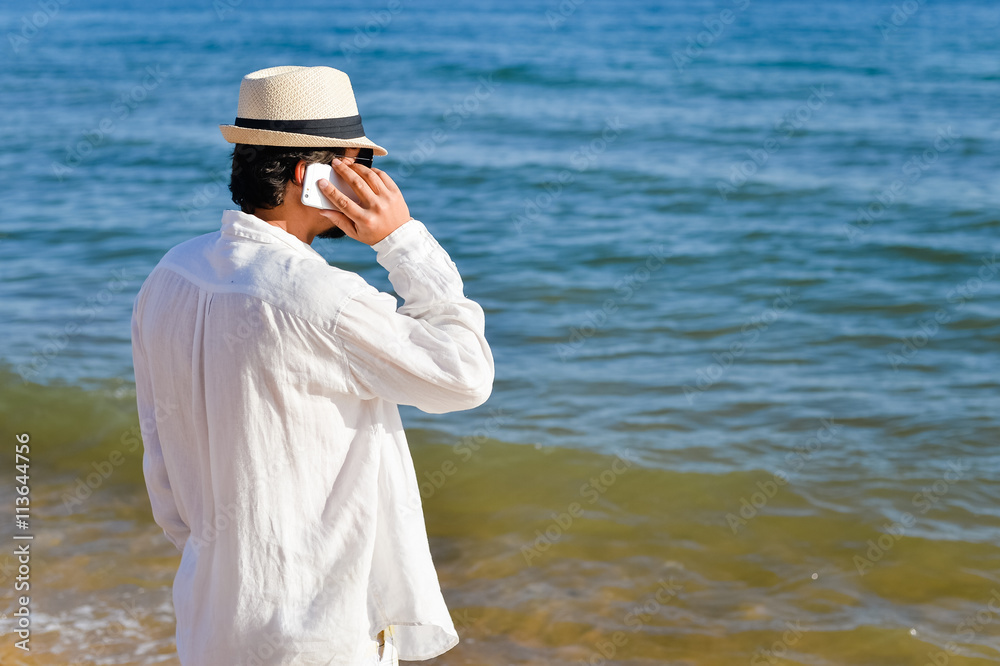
(311, 194)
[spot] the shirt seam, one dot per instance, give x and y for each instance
(413, 255)
(242, 227)
(216, 289)
(340, 343)
(422, 275)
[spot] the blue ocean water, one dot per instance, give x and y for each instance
(553, 149)
(701, 231)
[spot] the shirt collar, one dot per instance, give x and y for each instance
(245, 225)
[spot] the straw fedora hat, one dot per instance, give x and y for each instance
(301, 107)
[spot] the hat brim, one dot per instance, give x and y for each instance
(260, 137)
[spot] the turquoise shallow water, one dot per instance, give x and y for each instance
(701, 231)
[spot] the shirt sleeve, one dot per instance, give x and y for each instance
(154, 470)
(431, 352)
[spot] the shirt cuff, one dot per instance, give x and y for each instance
(410, 241)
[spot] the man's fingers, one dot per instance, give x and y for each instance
(340, 200)
(384, 177)
(381, 208)
(357, 183)
(370, 177)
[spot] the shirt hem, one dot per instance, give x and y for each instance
(409, 656)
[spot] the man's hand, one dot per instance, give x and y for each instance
(382, 209)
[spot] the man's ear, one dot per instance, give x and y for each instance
(300, 172)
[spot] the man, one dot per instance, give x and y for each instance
(268, 382)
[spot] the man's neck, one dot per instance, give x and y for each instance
(279, 217)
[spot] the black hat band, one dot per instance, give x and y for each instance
(348, 127)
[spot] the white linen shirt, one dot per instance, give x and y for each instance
(267, 383)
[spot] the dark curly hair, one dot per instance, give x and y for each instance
(260, 173)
